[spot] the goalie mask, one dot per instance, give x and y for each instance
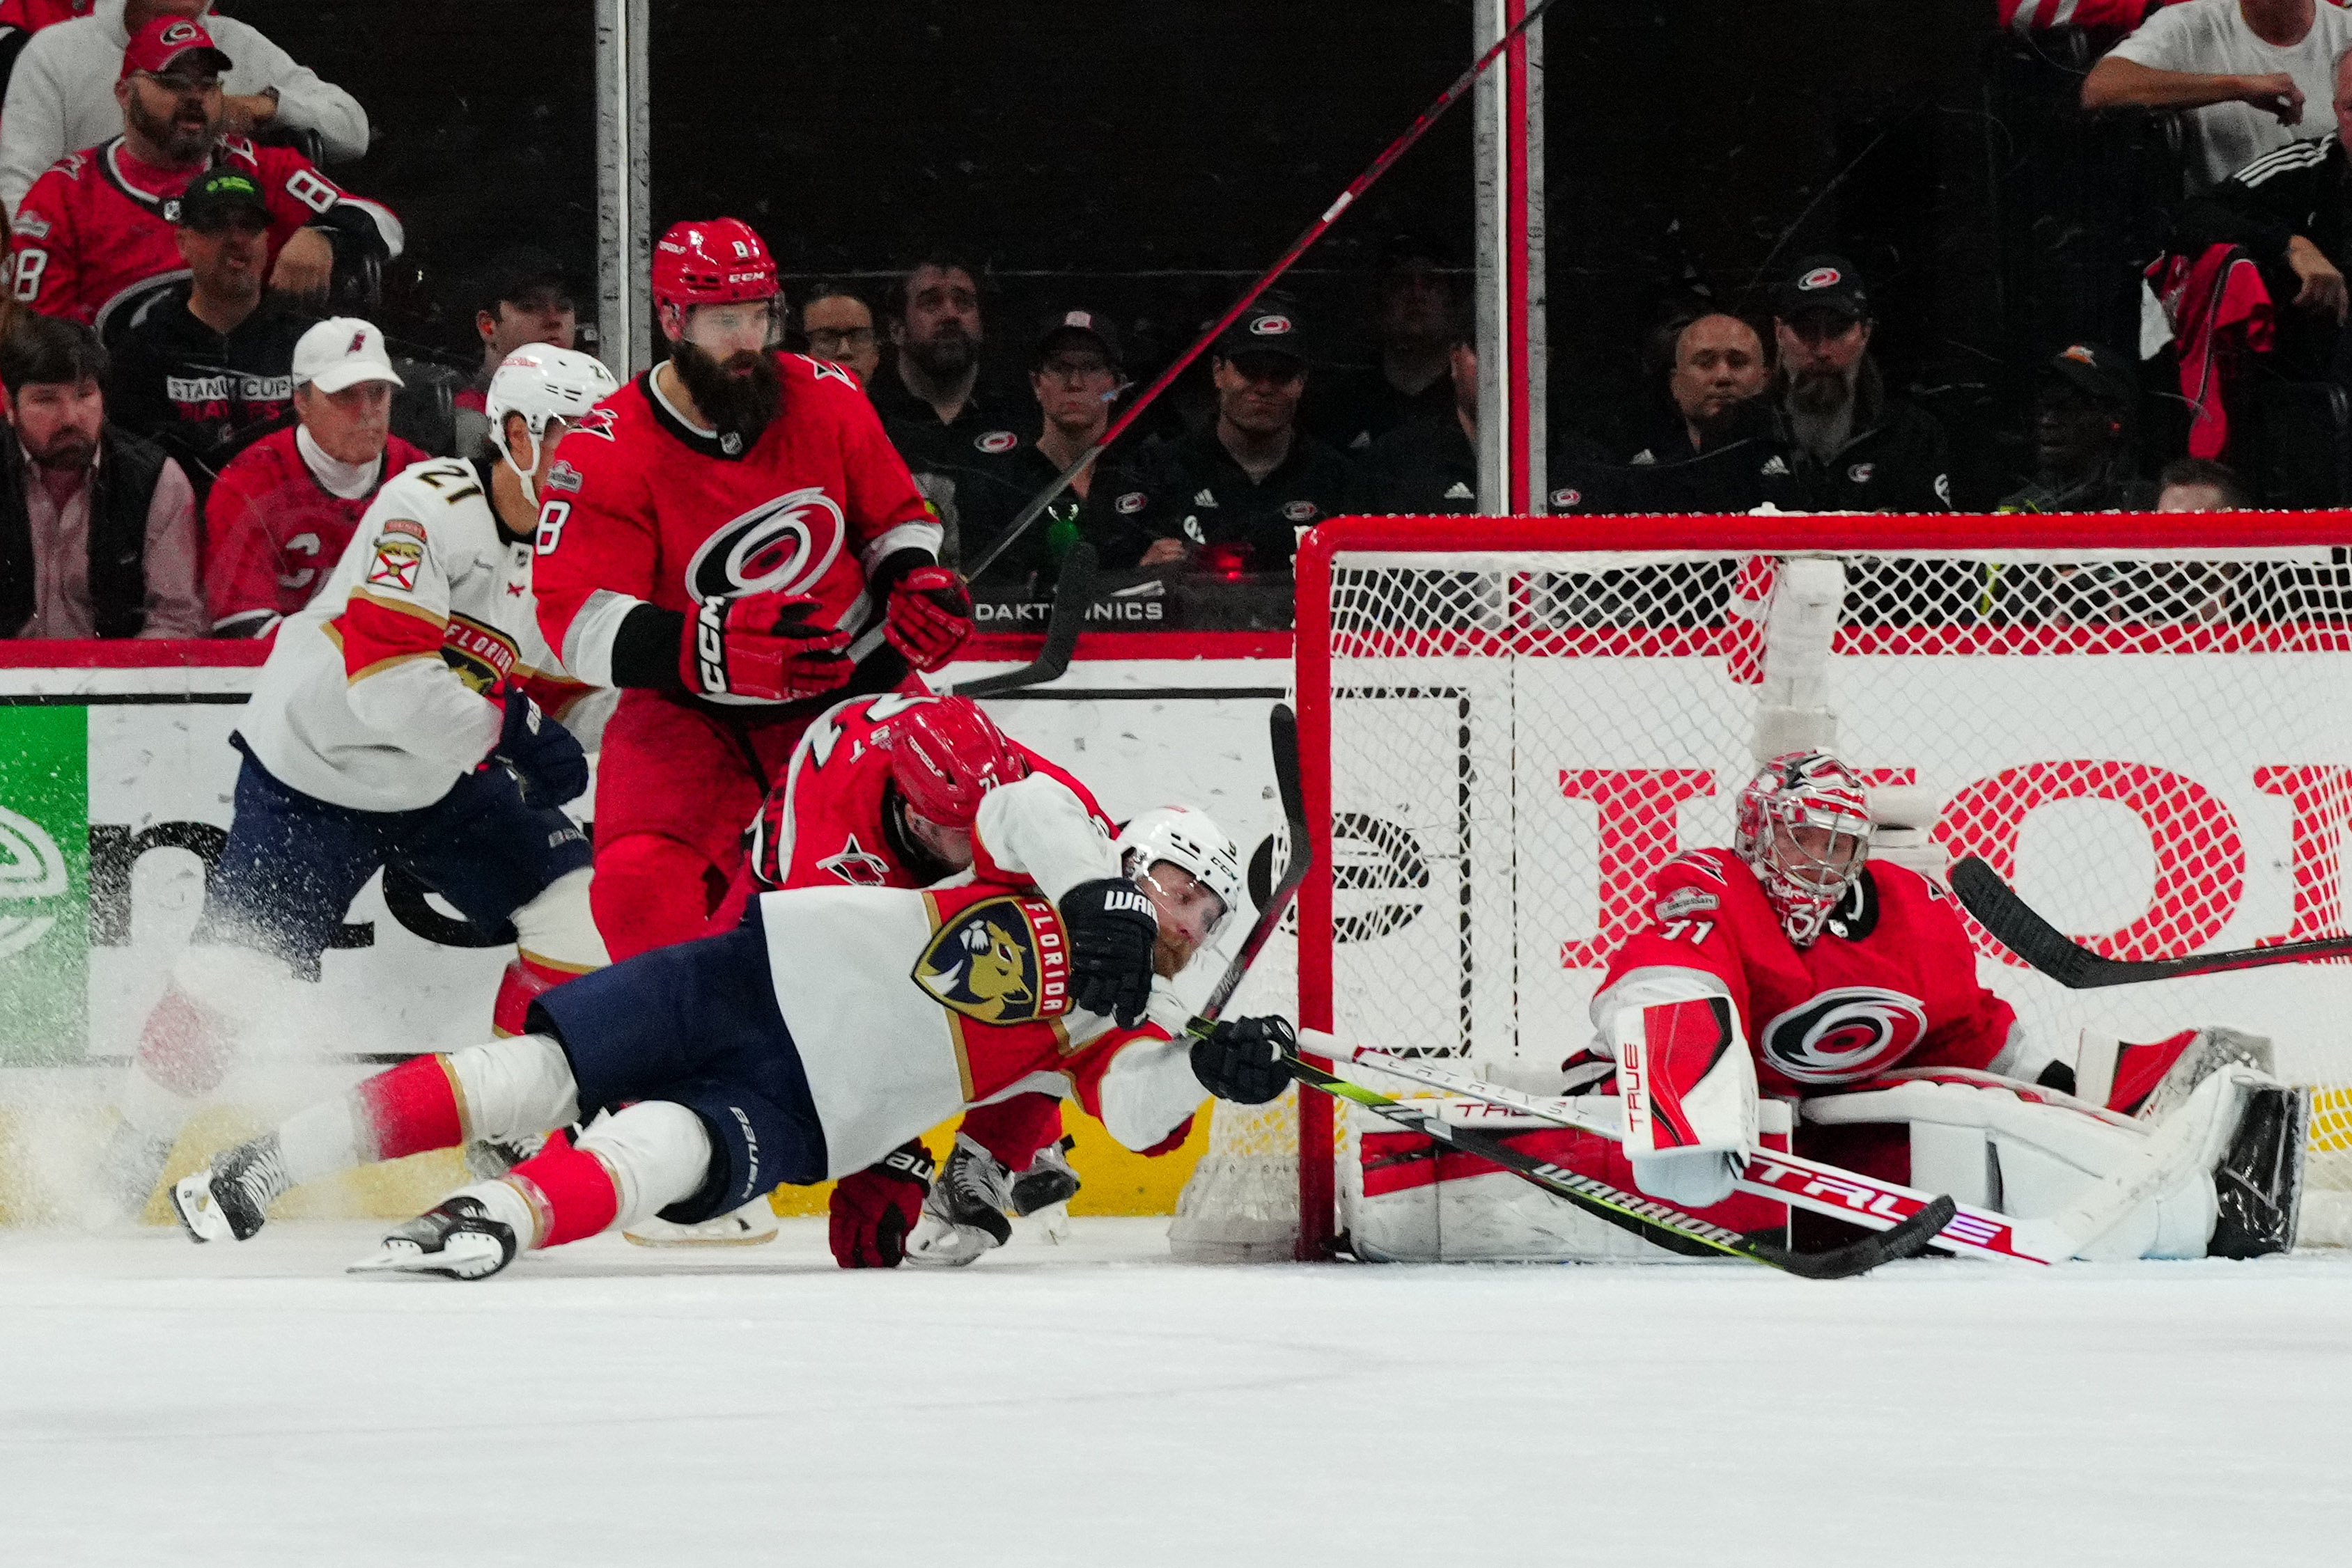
(1184, 837)
(1804, 830)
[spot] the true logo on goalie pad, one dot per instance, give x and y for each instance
(1844, 1033)
(1000, 961)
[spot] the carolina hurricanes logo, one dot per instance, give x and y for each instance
(1820, 277)
(1844, 1033)
(178, 33)
(597, 422)
(781, 545)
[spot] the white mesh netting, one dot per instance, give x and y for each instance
(2154, 747)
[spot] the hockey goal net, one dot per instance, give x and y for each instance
(2144, 723)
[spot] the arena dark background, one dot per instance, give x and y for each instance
(1147, 161)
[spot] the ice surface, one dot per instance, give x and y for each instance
(1096, 1404)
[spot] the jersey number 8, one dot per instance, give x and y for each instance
(552, 518)
(30, 265)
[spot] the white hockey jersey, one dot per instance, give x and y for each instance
(378, 694)
(908, 1005)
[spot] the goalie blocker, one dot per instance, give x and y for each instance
(1799, 975)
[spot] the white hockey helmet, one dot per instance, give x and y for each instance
(542, 381)
(1189, 838)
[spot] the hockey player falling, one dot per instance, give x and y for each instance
(1789, 964)
(882, 792)
(829, 1028)
(734, 542)
(401, 719)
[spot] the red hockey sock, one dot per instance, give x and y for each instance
(525, 981)
(410, 1108)
(1014, 1130)
(650, 892)
(570, 1191)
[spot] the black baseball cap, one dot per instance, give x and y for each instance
(1271, 325)
(216, 194)
(2097, 370)
(516, 271)
(1067, 328)
(1821, 282)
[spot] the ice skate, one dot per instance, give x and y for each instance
(1048, 1180)
(486, 1159)
(229, 1199)
(963, 1215)
(2258, 1186)
(750, 1226)
(458, 1240)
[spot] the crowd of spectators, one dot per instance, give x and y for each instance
(184, 374)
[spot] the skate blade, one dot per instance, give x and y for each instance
(693, 1236)
(949, 1248)
(199, 1216)
(456, 1260)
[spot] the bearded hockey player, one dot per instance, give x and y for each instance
(829, 1028)
(403, 719)
(882, 792)
(733, 540)
(1793, 965)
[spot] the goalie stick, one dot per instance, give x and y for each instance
(1073, 595)
(2017, 927)
(1652, 1220)
(1808, 1184)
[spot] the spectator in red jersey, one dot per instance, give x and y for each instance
(839, 326)
(93, 239)
(97, 528)
(525, 298)
(209, 368)
(280, 515)
(58, 92)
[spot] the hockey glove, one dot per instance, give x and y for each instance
(773, 647)
(547, 761)
(928, 616)
(873, 1210)
(1112, 933)
(1242, 1059)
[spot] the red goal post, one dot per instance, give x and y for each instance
(1506, 724)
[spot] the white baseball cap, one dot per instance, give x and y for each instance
(343, 352)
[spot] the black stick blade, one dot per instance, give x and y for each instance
(1909, 1239)
(2015, 926)
(1073, 594)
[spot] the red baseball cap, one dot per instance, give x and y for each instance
(155, 45)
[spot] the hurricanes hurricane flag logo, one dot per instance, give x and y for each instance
(1000, 961)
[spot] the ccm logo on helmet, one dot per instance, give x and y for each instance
(1844, 1033)
(783, 546)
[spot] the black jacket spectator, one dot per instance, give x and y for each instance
(1425, 466)
(981, 487)
(1192, 489)
(201, 394)
(1897, 459)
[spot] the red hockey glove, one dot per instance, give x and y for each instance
(770, 646)
(873, 1210)
(928, 616)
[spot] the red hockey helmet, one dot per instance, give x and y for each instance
(712, 261)
(1804, 877)
(946, 754)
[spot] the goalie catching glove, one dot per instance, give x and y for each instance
(871, 1210)
(927, 616)
(546, 760)
(769, 647)
(1242, 1061)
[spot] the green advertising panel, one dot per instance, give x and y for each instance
(44, 884)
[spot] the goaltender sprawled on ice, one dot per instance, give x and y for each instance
(1795, 971)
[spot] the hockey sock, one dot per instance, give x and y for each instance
(320, 1141)
(651, 891)
(404, 1111)
(1014, 1130)
(569, 1192)
(528, 977)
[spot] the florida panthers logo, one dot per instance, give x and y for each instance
(1000, 961)
(782, 545)
(1844, 1033)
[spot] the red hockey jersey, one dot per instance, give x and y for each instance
(642, 507)
(822, 825)
(272, 532)
(1891, 982)
(93, 238)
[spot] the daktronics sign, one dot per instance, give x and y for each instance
(2197, 842)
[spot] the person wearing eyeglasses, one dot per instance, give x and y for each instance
(839, 327)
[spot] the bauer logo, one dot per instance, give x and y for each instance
(779, 546)
(1844, 1033)
(1000, 961)
(44, 882)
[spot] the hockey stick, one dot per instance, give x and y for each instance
(1073, 594)
(1299, 247)
(1655, 1222)
(1792, 1178)
(2017, 927)
(1282, 734)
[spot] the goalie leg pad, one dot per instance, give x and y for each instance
(2029, 1152)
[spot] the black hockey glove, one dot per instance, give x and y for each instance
(547, 761)
(1112, 932)
(1241, 1060)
